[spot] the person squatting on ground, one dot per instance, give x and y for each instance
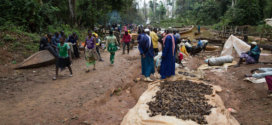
(167, 68)
(73, 39)
(126, 40)
(155, 38)
(147, 54)
(265, 73)
(64, 58)
(90, 51)
(111, 44)
(252, 56)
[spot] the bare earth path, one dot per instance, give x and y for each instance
(30, 97)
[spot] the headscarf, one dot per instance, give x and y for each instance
(173, 42)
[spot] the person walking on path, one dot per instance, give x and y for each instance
(147, 54)
(126, 40)
(98, 43)
(64, 59)
(155, 38)
(111, 44)
(198, 29)
(90, 51)
(167, 68)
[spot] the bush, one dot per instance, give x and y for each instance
(8, 38)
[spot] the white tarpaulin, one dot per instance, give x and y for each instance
(234, 42)
(269, 22)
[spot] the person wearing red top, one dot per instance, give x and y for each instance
(126, 40)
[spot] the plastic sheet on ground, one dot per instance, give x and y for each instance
(234, 42)
(138, 114)
(255, 80)
(224, 67)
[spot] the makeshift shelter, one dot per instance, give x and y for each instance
(236, 43)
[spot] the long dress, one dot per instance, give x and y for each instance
(146, 49)
(111, 47)
(90, 51)
(167, 68)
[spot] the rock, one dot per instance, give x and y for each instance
(232, 110)
(74, 118)
(86, 123)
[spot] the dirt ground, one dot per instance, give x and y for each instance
(32, 97)
(103, 97)
(249, 99)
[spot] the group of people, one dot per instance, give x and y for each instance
(252, 57)
(149, 40)
(149, 47)
(61, 50)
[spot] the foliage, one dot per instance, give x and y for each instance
(221, 12)
(36, 15)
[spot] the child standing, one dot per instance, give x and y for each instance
(64, 60)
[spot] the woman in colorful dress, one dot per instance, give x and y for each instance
(111, 44)
(64, 59)
(90, 51)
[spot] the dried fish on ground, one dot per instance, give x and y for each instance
(183, 99)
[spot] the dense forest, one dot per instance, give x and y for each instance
(212, 12)
(37, 15)
(41, 15)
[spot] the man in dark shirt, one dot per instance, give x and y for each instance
(45, 44)
(73, 39)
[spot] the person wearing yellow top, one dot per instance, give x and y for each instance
(183, 50)
(155, 38)
(97, 45)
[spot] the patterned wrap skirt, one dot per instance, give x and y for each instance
(90, 55)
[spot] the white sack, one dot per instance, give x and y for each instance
(218, 61)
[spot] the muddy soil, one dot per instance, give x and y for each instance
(249, 99)
(32, 97)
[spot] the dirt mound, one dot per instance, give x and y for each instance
(183, 99)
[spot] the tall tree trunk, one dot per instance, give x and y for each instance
(154, 9)
(233, 3)
(74, 10)
(72, 15)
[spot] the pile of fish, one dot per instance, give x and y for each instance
(183, 99)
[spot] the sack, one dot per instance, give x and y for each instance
(218, 61)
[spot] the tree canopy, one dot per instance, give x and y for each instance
(35, 15)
